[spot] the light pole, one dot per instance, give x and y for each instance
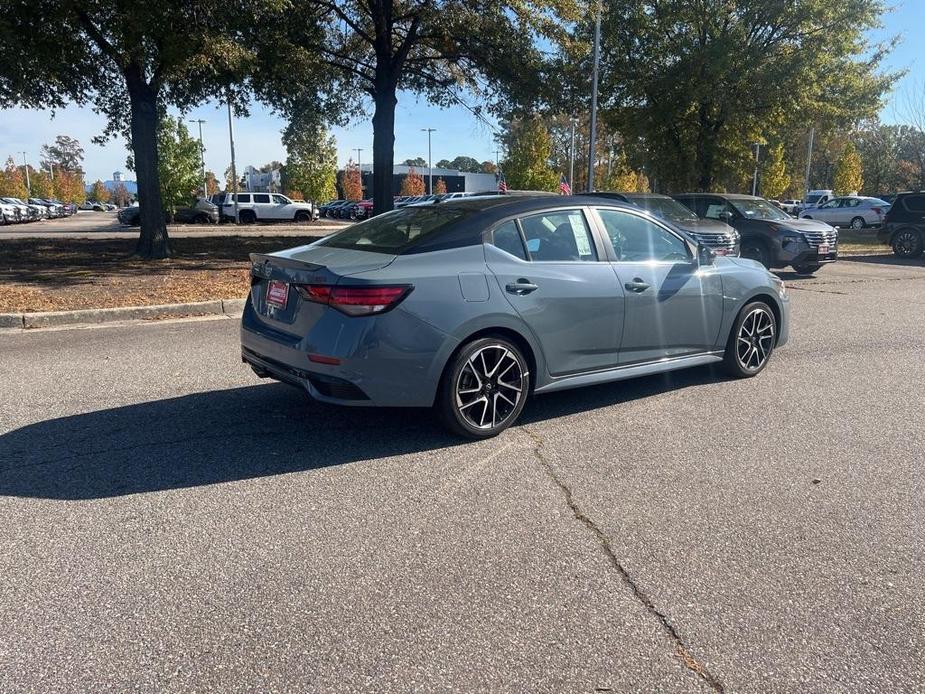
(497, 158)
(592, 144)
(809, 160)
(359, 165)
(571, 154)
(202, 158)
(755, 177)
(430, 168)
(25, 166)
(234, 173)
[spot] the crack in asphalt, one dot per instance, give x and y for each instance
(682, 651)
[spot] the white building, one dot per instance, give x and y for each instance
(259, 182)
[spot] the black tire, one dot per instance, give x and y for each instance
(201, 219)
(247, 216)
(858, 223)
(739, 359)
(470, 392)
(755, 250)
(907, 243)
(303, 216)
(807, 269)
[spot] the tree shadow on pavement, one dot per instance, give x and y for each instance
(244, 433)
(888, 260)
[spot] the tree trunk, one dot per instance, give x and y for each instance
(383, 143)
(152, 242)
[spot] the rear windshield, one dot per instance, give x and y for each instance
(395, 231)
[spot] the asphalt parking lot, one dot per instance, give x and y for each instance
(169, 522)
(105, 225)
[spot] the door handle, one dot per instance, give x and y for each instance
(521, 287)
(637, 285)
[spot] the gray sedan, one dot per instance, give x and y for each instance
(852, 211)
(471, 306)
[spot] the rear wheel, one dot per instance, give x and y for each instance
(858, 223)
(751, 341)
(201, 219)
(755, 250)
(247, 216)
(484, 388)
(907, 243)
(807, 269)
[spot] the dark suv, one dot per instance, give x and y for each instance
(768, 234)
(718, 236)
(904, 225)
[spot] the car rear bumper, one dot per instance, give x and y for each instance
(388, 360)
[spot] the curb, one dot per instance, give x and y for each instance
(49, 319)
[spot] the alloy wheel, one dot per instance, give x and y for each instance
(489, 387)
(755, 339)
(906, 243)
(857, 223)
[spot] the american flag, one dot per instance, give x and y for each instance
(502, 183)
(564, 187)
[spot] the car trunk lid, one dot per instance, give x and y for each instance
(291, 314)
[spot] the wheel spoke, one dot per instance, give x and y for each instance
(473, 402)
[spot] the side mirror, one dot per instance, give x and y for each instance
(704, 255)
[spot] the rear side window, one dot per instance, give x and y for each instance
(508, 239)
(558, 237)
(915, 203)
(261, 197)
(244, 197)
(396, 231)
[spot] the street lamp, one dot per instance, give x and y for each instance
(202, 158)
(757, 146)
(430, 168)
(571, 154)
(592, 143)
(25, 166)
(234, 173)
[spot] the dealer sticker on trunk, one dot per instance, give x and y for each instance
(277, 293)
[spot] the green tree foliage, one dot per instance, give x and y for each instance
(465, 164)
(413, 183)
(42, 185)
(419, 162)
(311, 162)
(129, 60)
(488, 167)
(849, 172)
(775, 180)
(65, 154)
(178, 164)
(13, 183)
(624, 179)
(442, 49)
(529, 147)
(70, 187)
(692, 84)
(99, 192)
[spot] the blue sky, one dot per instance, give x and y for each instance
(257, 138)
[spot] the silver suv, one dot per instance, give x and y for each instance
(265, 207)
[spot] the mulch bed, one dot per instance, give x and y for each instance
(66, 274)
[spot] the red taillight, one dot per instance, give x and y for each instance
(877, 210)
(355, 301)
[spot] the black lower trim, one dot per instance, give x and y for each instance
(328, 386)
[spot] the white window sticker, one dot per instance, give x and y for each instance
(580, 233)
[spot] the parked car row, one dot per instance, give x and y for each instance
(199, 211)
(17, 211)
(97, 206)
(363, 209)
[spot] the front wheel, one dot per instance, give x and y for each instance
(907, 243)
(484, 388)
(751, 341)
(807, 269)
(753, 250)
(303, 216)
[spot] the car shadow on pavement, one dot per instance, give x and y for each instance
(244, 433)
(888, 260)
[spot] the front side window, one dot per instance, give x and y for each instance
(636, 239)
(507, 238)
(561, 236)
(915, 203)
(261, 197)
(281, 200)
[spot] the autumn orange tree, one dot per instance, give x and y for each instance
(12, 183)
(99, 192)
(351, 182)
(440, 186)
(69, 187)
(412, 184)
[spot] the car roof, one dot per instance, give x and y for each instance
(727, 196)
